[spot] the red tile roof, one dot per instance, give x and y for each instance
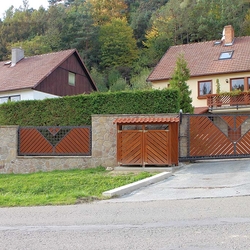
(148, 120)
(30, 71)
(203, 59)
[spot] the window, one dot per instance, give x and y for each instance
(226, 55)
(3, 99)
(204, 88)
(237, 84)
(248, 83)
(13, 98)
(72, 79)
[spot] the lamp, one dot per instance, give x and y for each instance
(226, 80)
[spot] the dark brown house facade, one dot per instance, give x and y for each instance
(50, 75)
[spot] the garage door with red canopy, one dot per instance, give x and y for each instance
(147, 140)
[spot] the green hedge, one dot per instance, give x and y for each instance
(77, 110)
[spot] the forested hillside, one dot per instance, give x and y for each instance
(119, 40)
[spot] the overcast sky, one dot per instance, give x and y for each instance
(6, 4)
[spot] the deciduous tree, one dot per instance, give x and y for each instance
(117, 44)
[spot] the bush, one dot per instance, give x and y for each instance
(77, 110)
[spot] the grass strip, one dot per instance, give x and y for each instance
(61, 187)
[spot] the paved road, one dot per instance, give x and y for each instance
(204, 179)
(221, 223)
(189, 222)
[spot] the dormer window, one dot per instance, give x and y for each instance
(226, 55)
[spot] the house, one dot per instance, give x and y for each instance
(224, 61)
(38, 77)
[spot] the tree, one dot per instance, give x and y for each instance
(117, 44)
(140, 13)
(56, 22)
(81, 33)
(138, 82)
(35, 46)
(178, 81)
(185, 21)
(103, 11)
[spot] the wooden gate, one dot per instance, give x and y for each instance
(143, 147)
(144, 144)
(211, 136)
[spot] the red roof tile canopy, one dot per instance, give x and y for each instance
(203, 59)
(145, 120)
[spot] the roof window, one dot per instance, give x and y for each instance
(226, 55)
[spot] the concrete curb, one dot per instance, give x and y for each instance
(136, 185)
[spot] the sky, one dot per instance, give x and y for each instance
(4, 5)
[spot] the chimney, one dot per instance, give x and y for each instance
(228, 35)
(17, 54)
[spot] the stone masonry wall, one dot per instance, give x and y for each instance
(103, 149)
(104, 138)
(10, 162)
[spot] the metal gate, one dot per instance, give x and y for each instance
(215, 136)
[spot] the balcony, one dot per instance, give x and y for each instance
(229, 100)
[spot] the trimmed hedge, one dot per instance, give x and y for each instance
(77, 110)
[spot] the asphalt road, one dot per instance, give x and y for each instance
(220, 223)
(182, 223)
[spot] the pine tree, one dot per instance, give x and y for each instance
(178, 81)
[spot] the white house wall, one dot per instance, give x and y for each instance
(193, 85)
(28, 94)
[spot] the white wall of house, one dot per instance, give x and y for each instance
(224, 80)
(27, 94)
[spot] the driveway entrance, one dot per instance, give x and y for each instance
(211, 136)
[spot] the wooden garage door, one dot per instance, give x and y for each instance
(143, 147)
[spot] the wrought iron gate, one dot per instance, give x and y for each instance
(210, 136)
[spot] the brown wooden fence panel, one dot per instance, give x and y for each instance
(54, 141)
(157, 147)
(207, 140)
(129, 148)
(211, 136)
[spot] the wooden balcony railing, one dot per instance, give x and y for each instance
(228, 99)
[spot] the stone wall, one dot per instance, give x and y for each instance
(103, 149)
(10, 162)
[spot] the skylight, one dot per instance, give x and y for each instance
(226, 55)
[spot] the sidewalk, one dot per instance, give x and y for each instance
(204, 179)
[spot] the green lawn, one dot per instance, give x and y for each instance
(61, 187)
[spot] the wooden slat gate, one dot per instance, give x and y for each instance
(211, 136)
(143, 147)
(54, 141)
(147, 140)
